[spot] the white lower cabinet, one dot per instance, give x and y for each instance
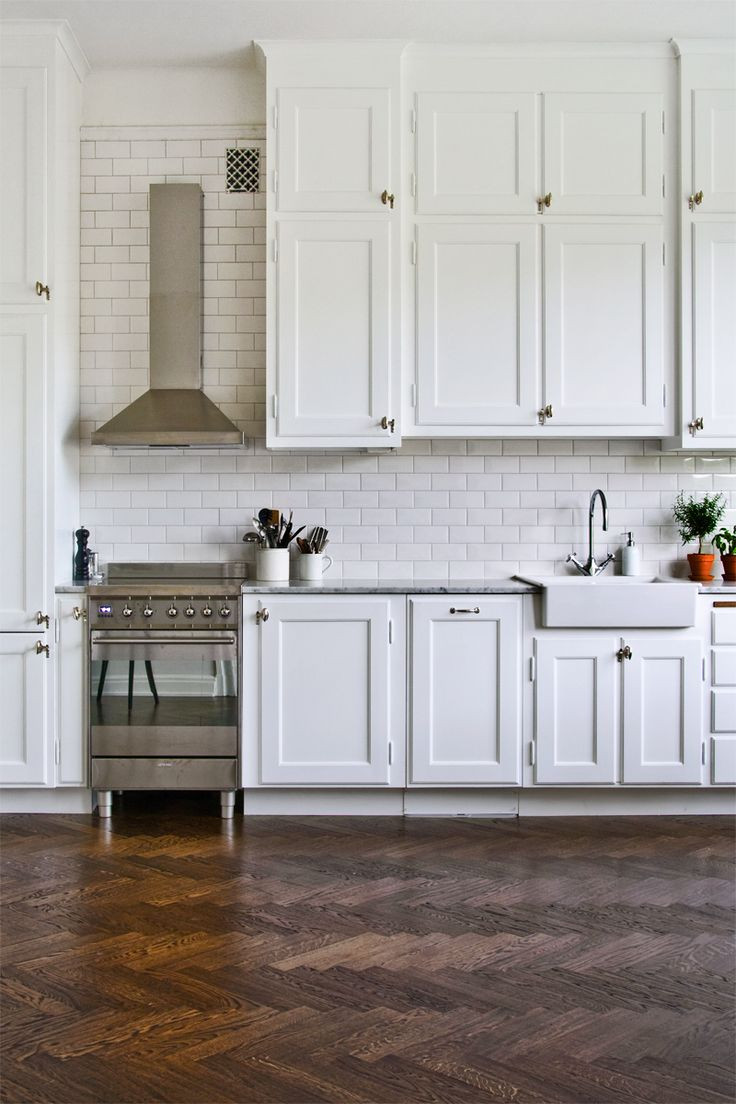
(24, 681)
(576, 709)
(662, 710)
(601, 700)
(71, 691)
(320, 709)
(464, 687)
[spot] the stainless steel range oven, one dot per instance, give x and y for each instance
(164, 680)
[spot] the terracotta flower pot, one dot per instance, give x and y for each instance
(701, 566)
(729, 568)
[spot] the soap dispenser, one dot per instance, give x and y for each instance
(630, 557)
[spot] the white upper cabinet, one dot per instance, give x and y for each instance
(603, 153)
(477, 310)
(334, 340)
(603, 289)
(23, 553)
(476, 152)
(333, 149)
(662, 710)
(714, 329)
(23, 218)
(714, 149)
(464, 690)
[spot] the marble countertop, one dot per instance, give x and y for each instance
(391, 586)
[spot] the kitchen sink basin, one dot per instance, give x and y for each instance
(615, 601)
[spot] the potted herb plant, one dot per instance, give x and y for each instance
(725, 542)
(696, 519)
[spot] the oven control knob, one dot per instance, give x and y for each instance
(189, 611)
(207, 611)
(126, 611)
(225, 611)
(172, 611)
(147, 611)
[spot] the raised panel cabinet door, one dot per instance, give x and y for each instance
(23, 721)
(603, 355)
(575, 709)
(464, 690)
(714, 149)
(23, 219)
(333, 148)
(714, 327)
(477, 311)
(603, 153)
(22, 468)
(325, 691)
(662, 710)
(334, 330)
(476, 153)
(71, 695)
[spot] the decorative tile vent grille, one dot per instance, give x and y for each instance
(243, 169)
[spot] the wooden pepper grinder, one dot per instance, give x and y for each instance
(81, 558)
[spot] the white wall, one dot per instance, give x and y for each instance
(433, 509)
(171, 96)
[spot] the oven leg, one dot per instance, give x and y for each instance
(227, 804)
(104, 804)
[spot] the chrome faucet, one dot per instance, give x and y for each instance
(590, 567)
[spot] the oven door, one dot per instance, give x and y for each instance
(163, 694)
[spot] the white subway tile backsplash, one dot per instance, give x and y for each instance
(434, 509)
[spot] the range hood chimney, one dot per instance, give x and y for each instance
(175, 411)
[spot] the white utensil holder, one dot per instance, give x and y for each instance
(272, 565)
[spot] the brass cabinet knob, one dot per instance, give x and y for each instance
(695, 200)
(79, 614)
(388, 423)
(262, 615)
(545, 413)
(695, 425)
(544, 201)
(42, 648)
(624, 653)
(42, 619)
(388, 198)
(43, 289)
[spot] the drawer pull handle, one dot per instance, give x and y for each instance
(724, 605)
(475, 609)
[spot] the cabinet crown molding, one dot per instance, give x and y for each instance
(60, 29)
(685, 46)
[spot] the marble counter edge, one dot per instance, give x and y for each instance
(390, 586)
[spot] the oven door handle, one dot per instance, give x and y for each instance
(222, 640)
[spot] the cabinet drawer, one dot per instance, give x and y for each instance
(723, 710)
(723, 760)
(724, 667)
(724, 625)
(163, 774)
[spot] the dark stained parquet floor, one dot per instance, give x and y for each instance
(170, 956)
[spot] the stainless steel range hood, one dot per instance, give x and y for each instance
(175, 411)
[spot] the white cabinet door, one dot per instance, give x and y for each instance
(71, 691)
(333, 149)
(23, 723)
(714, 149)
(603, 289)
(325, 690)
(714, 326)
(477, 310)
(23, 198)
(476, 153)
(464, 690)
(334, 341)
(23, 446)
(575, 709)
(662, 710)
(603, 153)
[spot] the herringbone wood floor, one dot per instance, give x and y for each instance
(169, 956)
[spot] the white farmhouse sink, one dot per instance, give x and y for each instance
(615, 601)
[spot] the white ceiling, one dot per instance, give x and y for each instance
(133, 33)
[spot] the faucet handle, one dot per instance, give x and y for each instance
(572, 558)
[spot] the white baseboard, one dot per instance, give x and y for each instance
(62, 800)
(626, 802)
(476, 803)
(315, 802)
